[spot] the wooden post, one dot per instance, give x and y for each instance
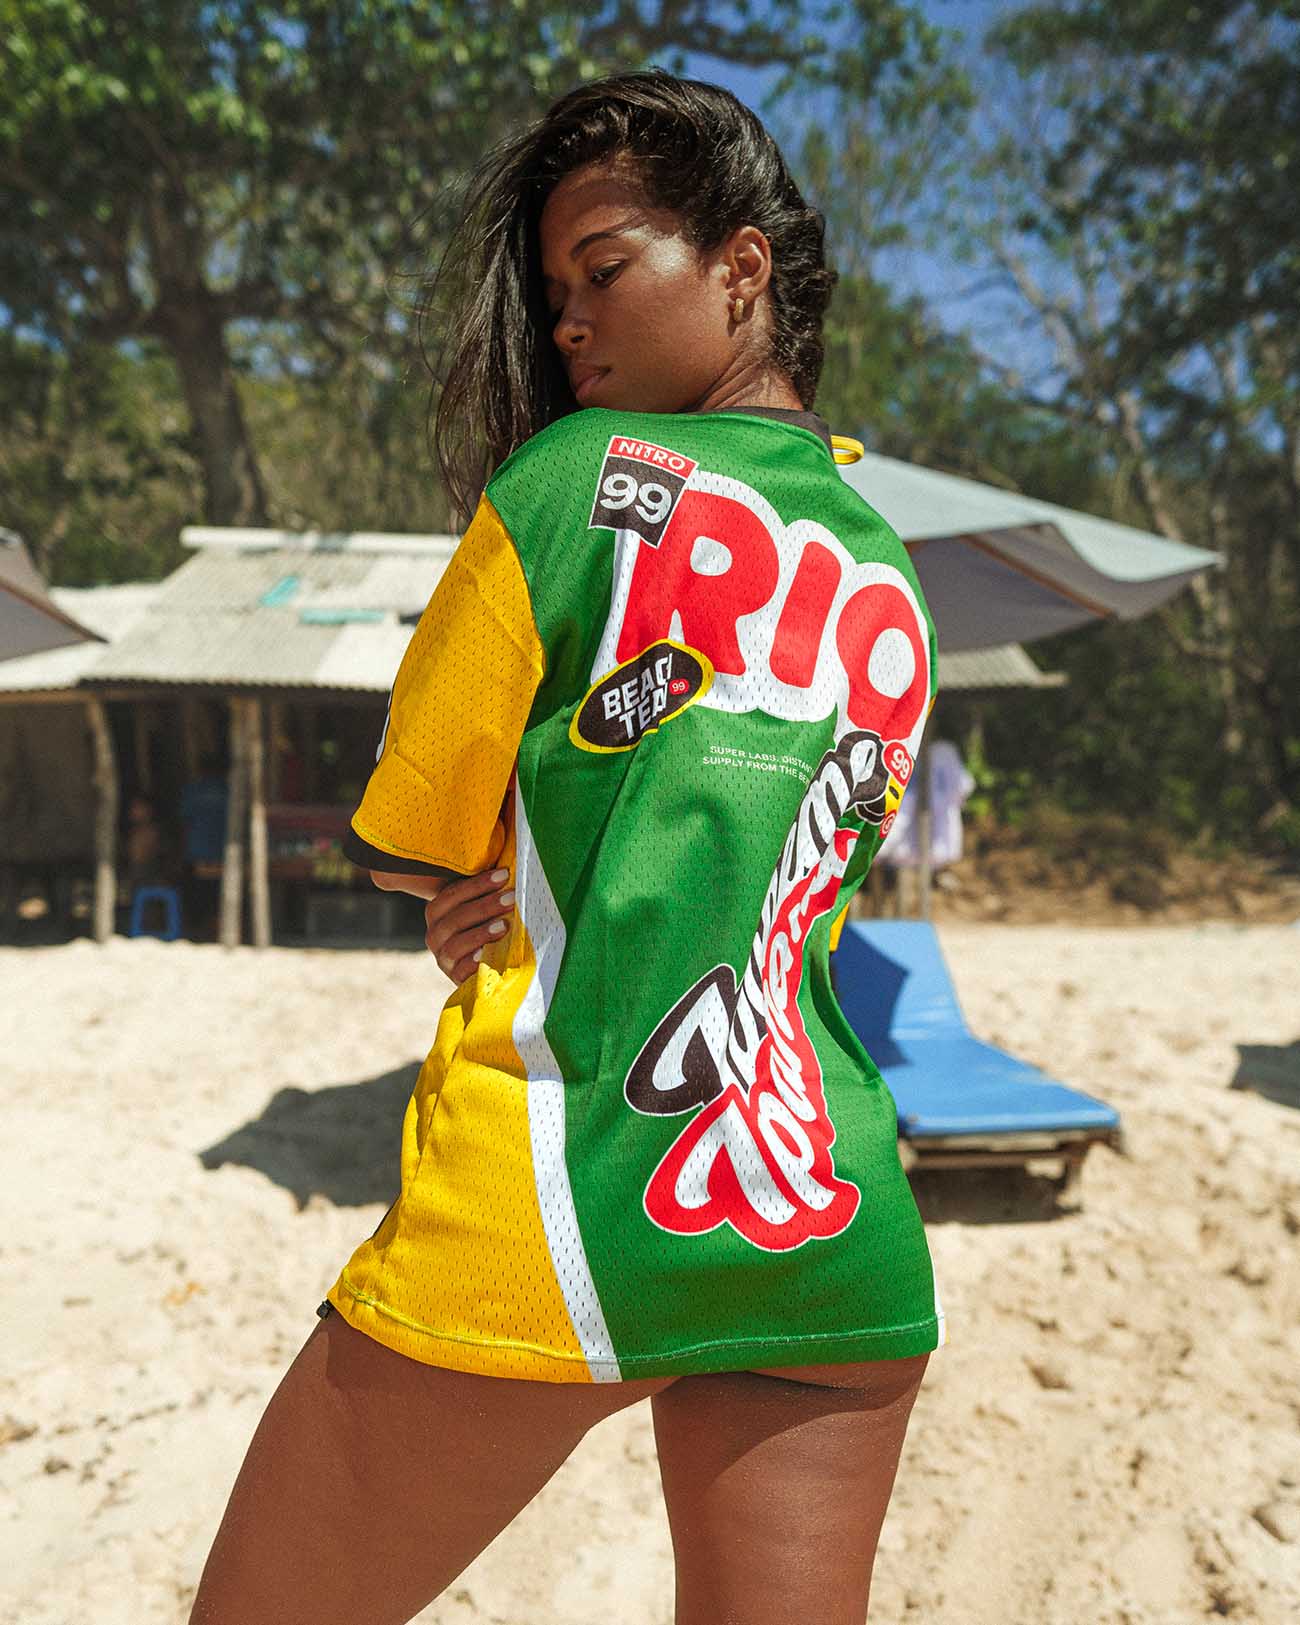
(105, 782)
(232, 868)
(310, 753)
(259, 889)
(973, 746)
(274, 732)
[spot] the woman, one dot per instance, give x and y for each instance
(667, 694)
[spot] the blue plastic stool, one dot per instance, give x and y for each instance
(170, 899)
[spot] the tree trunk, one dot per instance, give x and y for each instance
(233, 493)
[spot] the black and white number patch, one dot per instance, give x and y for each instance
(638, 487)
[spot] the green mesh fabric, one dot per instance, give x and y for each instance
(739, 665)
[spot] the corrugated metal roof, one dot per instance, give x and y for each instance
(1005, 667)
(227, 579)
(110, 611)
(309, 616)
(279, 618)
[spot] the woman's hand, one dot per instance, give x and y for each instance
(459, 915)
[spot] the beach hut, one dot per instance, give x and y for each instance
(267, 656)
(262, 633)
(274, 630)
(58, 765)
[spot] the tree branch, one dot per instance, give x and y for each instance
(13, 174)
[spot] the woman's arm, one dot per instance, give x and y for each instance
(434, 812)
(458, 914)
(426, 886)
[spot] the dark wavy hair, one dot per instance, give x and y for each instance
(690, 147)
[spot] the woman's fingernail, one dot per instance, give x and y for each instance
(497, 927)
(498, 875)
(477, 955)
(506, 898)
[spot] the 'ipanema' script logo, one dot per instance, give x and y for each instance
(757, 1154)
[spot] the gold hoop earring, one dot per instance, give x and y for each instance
(737, 309)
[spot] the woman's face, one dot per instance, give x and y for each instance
(629, 295)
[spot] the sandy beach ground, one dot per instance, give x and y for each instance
(195, 1139)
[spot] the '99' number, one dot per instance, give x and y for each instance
(652, 501)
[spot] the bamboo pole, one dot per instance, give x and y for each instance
(259, 880)
(232, 868)
(275, 732)
(105, 782)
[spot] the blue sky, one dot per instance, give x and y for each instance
(950, 290)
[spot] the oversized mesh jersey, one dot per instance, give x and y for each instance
(673, 678)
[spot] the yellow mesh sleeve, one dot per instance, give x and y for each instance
(457, 711)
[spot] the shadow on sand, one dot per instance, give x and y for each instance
(340, 1143)
(990, 1195)
(1271, 1070)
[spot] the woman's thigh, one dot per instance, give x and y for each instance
(776, 1488)
(372, 1481)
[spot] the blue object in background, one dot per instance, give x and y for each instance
(894, 988)
(170, 899)
(283, 590)
(203, 810)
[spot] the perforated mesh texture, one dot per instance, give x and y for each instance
(646, 1140)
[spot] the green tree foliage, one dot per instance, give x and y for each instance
(207, 212)
(1188, 142)
(95, 470)
(197, 174)
(1153, 236)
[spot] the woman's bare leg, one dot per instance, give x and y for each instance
(372, 1481)
(776, 1485)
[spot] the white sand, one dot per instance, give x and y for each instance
(1112, 1434)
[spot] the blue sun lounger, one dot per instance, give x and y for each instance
(961, 1103)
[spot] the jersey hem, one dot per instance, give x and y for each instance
(395, 851)
(356, 849)
(499, 1357)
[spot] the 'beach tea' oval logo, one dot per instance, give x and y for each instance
(634, 698)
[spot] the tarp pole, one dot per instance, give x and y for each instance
(924, 829)
(105, 782)
(259, 886)
(232, 867)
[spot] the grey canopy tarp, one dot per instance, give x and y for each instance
(997, 567)
(30, 620)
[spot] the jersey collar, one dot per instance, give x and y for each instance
(841, 447)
